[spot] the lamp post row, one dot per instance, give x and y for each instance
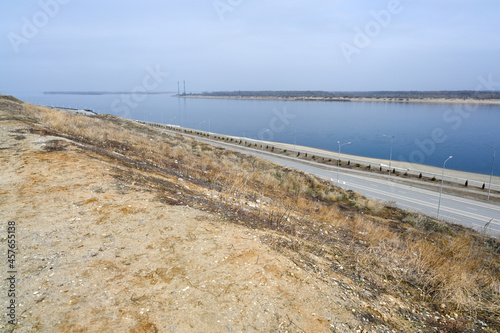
(338, 160)
(390, 162)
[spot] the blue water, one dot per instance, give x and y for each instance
(424, 133)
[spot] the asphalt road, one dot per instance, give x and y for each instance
(471, 213)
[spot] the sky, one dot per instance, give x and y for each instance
(227, 45)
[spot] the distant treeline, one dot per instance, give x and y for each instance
(104, 92)
(465, 94)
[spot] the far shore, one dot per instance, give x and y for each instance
(357, 99)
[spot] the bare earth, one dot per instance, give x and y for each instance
(97, 255)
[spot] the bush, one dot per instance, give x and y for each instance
(358, 165)
(422, 222)
(420, 176)
(466, 183)
(433, 179)
(348, 162)
(369, 166)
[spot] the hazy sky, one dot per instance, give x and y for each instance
(214, 45)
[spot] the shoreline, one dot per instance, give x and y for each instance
(355, 99)
(429, 171)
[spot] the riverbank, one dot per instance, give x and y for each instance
(427, 171)
(356, 99)
(400, 170)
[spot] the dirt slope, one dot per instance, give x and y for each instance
(95, 255)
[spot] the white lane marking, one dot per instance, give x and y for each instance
(384, 182)
(426, 204)
(434, 194)
(481, 227)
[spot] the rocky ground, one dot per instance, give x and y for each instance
(97, 253)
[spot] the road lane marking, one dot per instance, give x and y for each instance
(476, 217)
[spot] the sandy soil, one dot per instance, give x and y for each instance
(96, 254)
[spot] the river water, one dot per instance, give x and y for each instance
(423, 133)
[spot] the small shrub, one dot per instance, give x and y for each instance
(484, 185)
(466, 183)
(298, 154)
(422, 222)
(380, 168)
(358, 165)
(420, 176)
(433, 179)
(394, 170)
(348, 162)
(406, 173)
(369, 166)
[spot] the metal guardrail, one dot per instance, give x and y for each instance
(355, 160)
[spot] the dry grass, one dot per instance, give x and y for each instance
(398, 252)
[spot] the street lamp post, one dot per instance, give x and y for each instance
(491, 175)
(294, 142)
(442, 181)
(262, 141)
(390, 156)
(338, 160)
